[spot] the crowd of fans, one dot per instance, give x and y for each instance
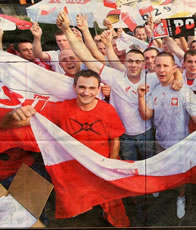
(142, 104)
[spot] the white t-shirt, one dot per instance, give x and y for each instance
(124, 98)
(193, 86)
(54, 61)
(171, 113)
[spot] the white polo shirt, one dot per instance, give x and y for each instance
(124, 98)
(171, 113)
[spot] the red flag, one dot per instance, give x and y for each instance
(146, 10)
(129, 21)
(110, 3)
(21, 24)
(103, 179)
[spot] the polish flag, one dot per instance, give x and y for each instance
(110, 3)
(128, 20)
(130, 17)
(146, 10)
(83, 178)
(19, 86)
(144, 7)
(20, 23)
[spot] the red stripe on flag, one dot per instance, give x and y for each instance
(129, 21)
(146, 10)
(78, 189)
(111, 4)
(166, 2)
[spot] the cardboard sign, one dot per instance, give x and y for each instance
(31, 191)
(161, 30)
(175, 27)
(179, 27)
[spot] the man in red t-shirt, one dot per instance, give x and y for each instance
(88, 119)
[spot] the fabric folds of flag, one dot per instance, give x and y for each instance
(82, 178)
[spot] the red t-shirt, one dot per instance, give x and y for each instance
(93, 128)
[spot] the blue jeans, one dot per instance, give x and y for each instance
(138, 147)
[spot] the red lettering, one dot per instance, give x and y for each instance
(36, 96)
(13, 97)
(190, 23)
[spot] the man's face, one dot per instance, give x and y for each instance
(165, 47)
(193, 46)
(25, 51)
(149, 57)
(164, 68)
(62, 42)
(134, 64)
(69, 62)
(101, 48)
(140, 34)
(116, 51)
(190, 65)
(86, 90)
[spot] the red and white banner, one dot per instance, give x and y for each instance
(110, 3)
(84, 178)
(144, 7)
(9, 23)
(46, 11)
(25, 83)
(130, 17)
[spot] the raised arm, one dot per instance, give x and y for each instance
(77, 46)
(17, 118)
(114, 61)
(109, 26)
(82, 24)
(178, 80)
(145, 112)
(174, 47)
(37, 48)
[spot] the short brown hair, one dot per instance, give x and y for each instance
(87, 73)
(166, 54)
(189, 52)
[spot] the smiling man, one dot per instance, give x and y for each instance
(149, 56)
(137, 142)
(69, 62)
(171, 110)
(88, 120)
(52, 55)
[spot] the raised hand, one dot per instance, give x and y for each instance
(142, 90)
(106, 37)
(36, 30)
(82, 23)
(62, 21)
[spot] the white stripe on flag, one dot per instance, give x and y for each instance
(57, 146)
